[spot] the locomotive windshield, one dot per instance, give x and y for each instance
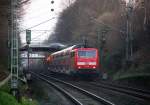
(87, 54)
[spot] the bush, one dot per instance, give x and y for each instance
(6, 99)
(5, 88)
(26, 101)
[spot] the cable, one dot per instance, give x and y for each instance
(41, 30)
(38, 36)
(24, 2)
(37, 16)
(39, 24)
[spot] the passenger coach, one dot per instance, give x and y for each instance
(75, 61)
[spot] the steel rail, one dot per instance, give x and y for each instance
(128, 88)
(136, 93)
(98, 98)
(73, 99)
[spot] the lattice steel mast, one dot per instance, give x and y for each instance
(129, 37)
(14, 49)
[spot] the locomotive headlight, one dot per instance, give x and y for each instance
(79, 67)
(94, 67)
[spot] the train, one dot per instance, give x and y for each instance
(75, 61)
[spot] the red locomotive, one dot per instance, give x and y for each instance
(75, 61)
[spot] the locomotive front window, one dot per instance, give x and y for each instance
(87, 54)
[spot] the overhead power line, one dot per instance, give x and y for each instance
(39, 24)
(33, 39)
(41, 30)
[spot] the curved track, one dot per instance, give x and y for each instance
(130, 91)
(138, 93)
(83, 97)
(69, 96)
(109, 91)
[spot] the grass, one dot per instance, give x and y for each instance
(5, 88)
(8, 99)
(26, 101)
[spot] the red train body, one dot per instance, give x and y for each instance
(75, 61)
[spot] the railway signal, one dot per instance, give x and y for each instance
(14, 50)
(28, 36)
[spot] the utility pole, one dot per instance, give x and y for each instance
(84, 41)
(101, 36)
(129, 37)
(14, 50)
(28, 41)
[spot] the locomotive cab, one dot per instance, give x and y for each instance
(75, 61)
(87, 61)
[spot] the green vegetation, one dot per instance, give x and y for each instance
(5, 88)
(26, 101)
(7, 99)
(83, 22)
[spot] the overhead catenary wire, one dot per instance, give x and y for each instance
(40, 15)
(43, 32)
(24, 2)
(39, 24)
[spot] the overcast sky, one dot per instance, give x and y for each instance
(39, 11)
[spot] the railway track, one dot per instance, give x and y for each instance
(130, 91)
(76, 94)
(135, 92)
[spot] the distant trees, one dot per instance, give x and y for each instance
(86, 19)
(4, 14)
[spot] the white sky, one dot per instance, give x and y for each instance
(129, 0)
(37, 12)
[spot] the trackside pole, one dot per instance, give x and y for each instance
(14, 51)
